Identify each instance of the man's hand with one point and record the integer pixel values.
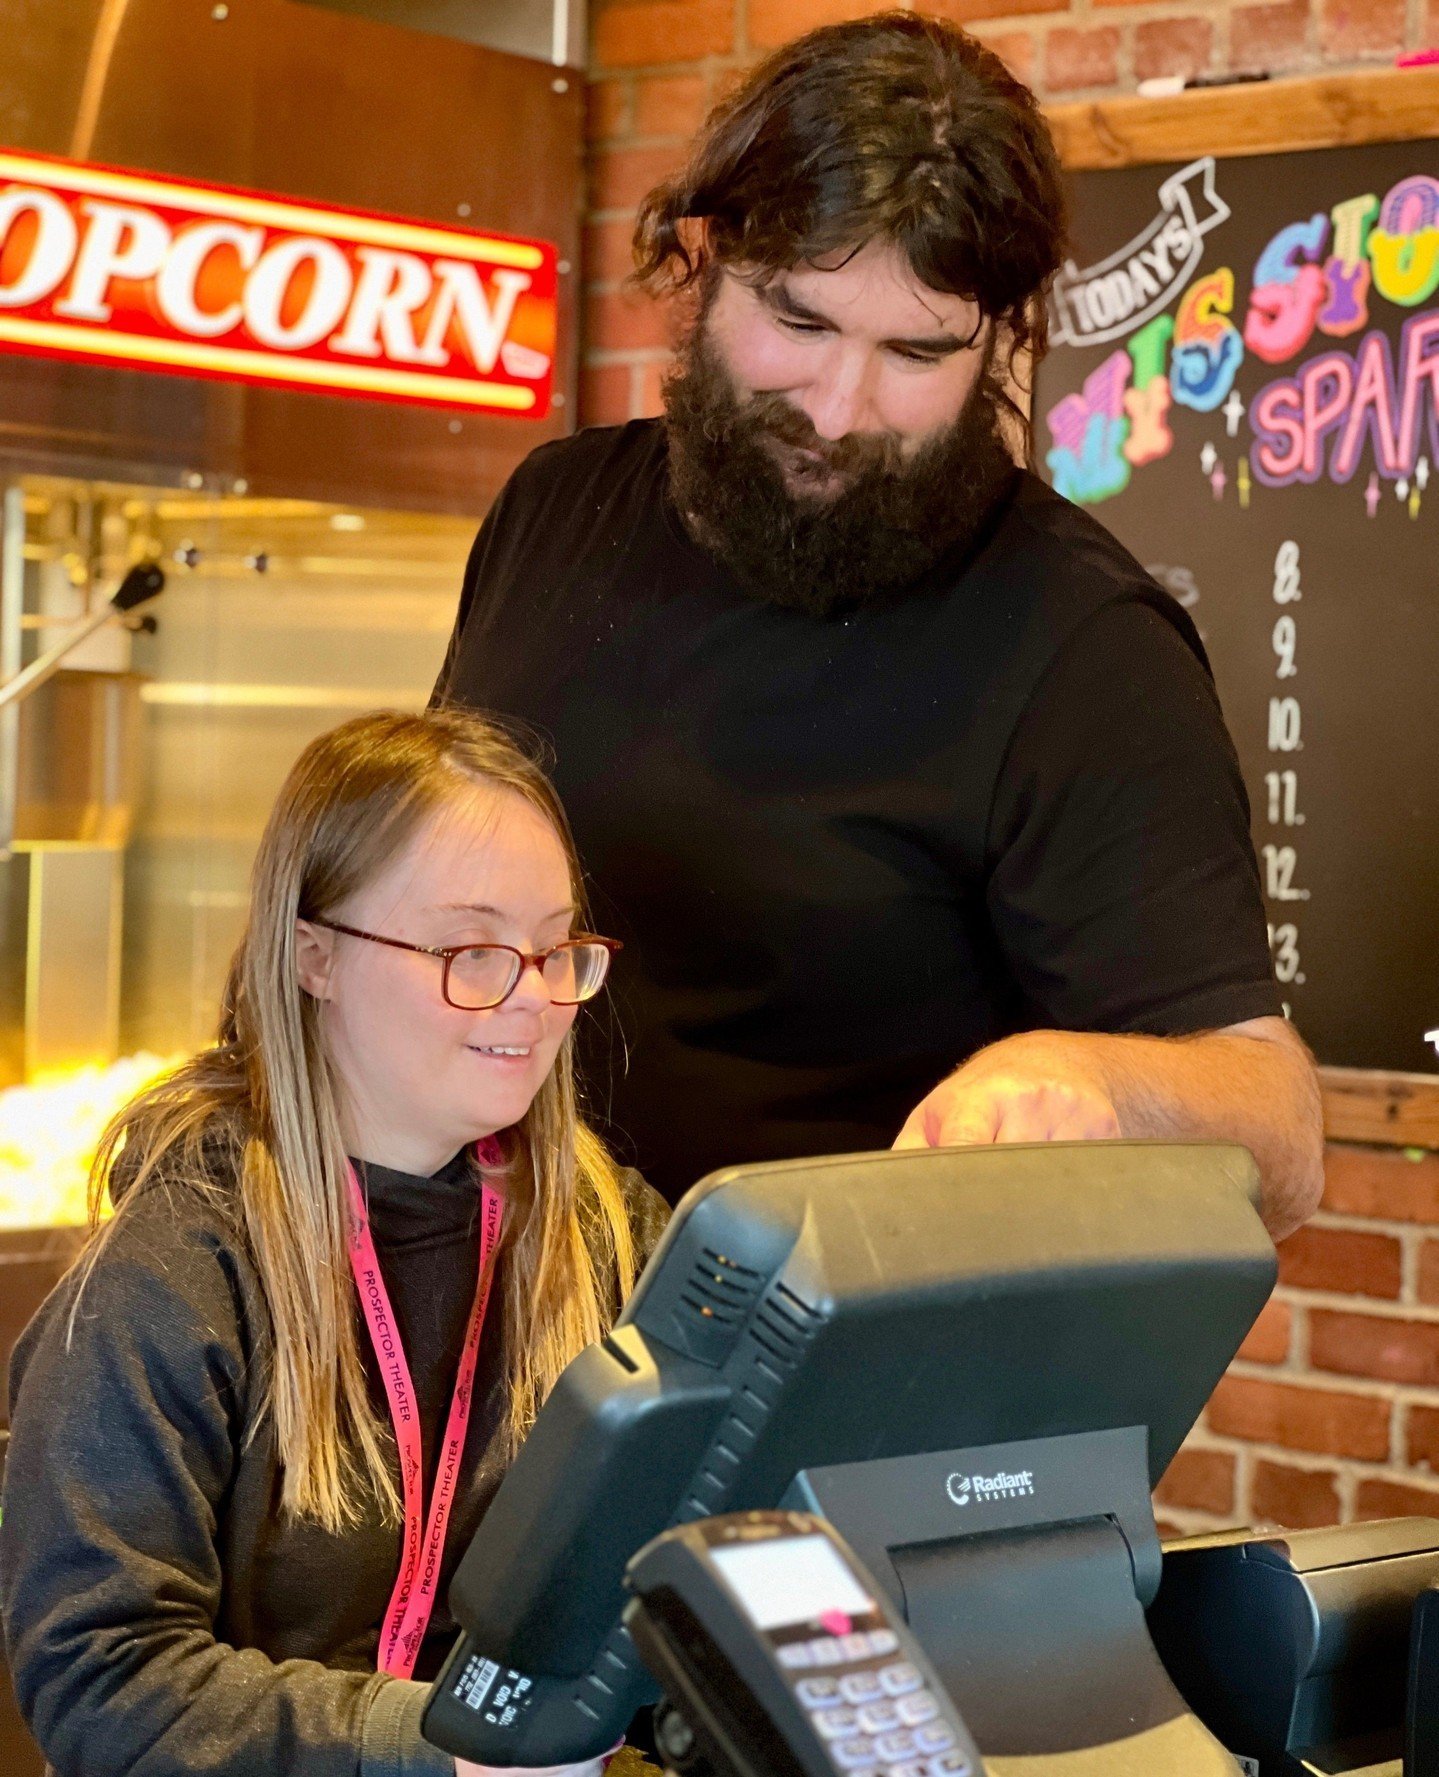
(1252, 1083)
(1023, 1089)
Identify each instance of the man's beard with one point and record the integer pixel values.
(889, 522)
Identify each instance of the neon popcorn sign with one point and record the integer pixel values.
(129, 269)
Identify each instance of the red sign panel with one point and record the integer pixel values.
(169, 274)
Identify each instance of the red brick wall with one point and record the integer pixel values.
(656, 65)
(1332, 1410)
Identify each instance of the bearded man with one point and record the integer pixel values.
(904, 785)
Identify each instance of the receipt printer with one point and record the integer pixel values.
(1293, 1647)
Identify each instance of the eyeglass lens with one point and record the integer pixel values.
(483, 977)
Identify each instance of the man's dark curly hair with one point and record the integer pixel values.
(898, 128)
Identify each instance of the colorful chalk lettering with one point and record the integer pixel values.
(1404, 243)
(1147, 402)
(1351, 398)
(1090, 429)
(1367, 405)
(1208, 347)
(1347, 268)
(1288, 294)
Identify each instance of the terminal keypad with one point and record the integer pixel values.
(871, 1707)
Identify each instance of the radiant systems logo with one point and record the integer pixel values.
(987, 1488)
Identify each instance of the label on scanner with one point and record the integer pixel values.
(499, 1693)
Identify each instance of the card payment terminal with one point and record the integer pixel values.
(779, 1656)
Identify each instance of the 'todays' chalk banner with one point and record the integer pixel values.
(169, 274)
(1108, 300)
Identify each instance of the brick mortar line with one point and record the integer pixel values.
(1288, 1369)
(1367, 1468)
(1348, 1222)
(1202, 1438)
(1342, 1302)
(1411, 1248)
(1331, 1382)
(1298, 1297)
(1312, 1462)
(1244, 1462)
(1023, 21)
(1124, 61)
(1169, 9)
(1222, 56)
(1293, 1368)
(1299, 1337)
(1327, 1216)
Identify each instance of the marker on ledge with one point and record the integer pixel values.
(1165, 86)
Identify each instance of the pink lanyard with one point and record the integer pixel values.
(408, 1614)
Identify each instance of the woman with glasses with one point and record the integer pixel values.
(354, 1244)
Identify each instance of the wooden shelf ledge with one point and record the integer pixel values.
(1397, 1110)
(1253, 117)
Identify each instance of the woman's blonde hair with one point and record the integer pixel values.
(261, 1109)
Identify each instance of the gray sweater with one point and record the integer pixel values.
(161, 1617)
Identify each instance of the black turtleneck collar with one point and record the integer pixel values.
(408, 1211)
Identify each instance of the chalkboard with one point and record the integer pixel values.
(1244, 387)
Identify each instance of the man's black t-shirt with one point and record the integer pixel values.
(844, 853)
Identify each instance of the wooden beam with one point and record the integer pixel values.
(1256, 117)
(1395, 1110)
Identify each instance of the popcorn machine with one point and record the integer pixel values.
(142, 771)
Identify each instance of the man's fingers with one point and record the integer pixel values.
(951, 1117)
(968, 1126)
(912, 1135)
(959, 1114)
(1056, 1114)
(1024, 1120)
(1100, 1124)
(1008, 1108)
